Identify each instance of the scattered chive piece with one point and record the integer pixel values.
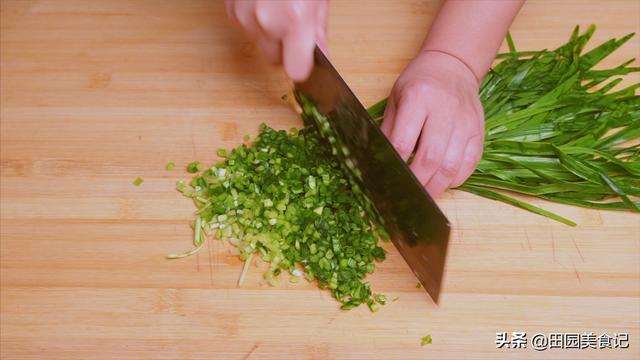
(245, 269)
(380, 299)
(197, 235)
(395, 299)
(373, 306)
(138, 181)
(418, 286)
(186, 254)
(222, 152)
(426, 340)
(246, 138)
(194, 167)
(170, 166)
(198, 241)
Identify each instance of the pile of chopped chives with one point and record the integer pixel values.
(286, 200)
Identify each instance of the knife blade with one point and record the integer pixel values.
(417, 227)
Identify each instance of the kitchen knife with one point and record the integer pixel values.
(414, 222)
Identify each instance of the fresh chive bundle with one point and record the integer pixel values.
(556, 129)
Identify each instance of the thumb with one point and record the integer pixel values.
(297, 53)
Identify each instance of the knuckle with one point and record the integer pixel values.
(459, 181)
(476, 156)
(450, 99)
(448, 169)
(429, 159)
(480, 116)
(403, 147)
(243, 19)
(295, 11)
(262, 13)
(417, 89)
(476, 145)
(424, 91)
(453, 100)
(476, 130)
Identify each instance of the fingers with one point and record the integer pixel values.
(433, 145)
(408, 120)
(285, 36)
(471, 158)
(475, 144)
(446, 155)
(322, 23)
(442, 164)
(299, 41)
(273, 18)
(271, 48)
(297, 53)
(449, 135)
(389, 116)
(435, 103)
(285, 31)
(260, 23)
(449, 165)
(244, 14)
(229, 5)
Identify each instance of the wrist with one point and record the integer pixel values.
(451, 56)
(472, 31)
(450, 64)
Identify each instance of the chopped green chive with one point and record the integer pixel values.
(198, 241)
(138, 181)
(170, 166)
(426, 340)
(245, 269)
(194, 167)
(373, 306)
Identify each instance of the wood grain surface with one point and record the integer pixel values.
(95, 93)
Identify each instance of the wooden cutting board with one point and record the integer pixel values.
(96, 93)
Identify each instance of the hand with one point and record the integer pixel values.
(435, 104)
(286, 30)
